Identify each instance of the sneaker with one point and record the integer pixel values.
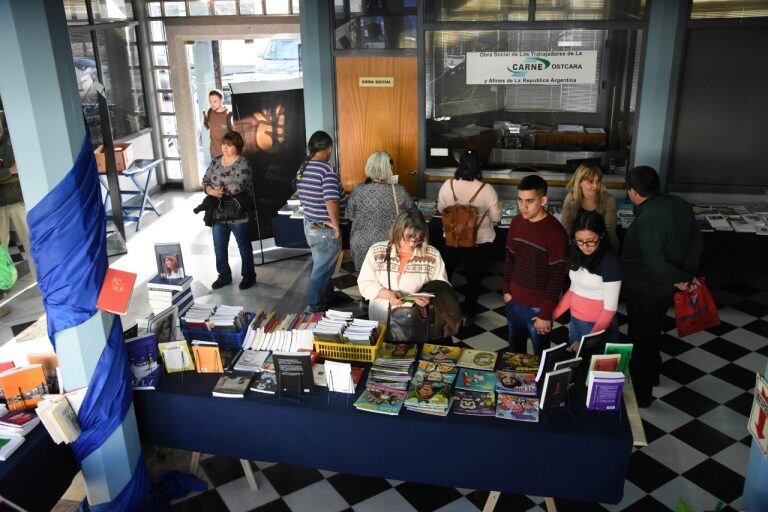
(247, 282)
(219, 283)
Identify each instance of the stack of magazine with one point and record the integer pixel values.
(388, 379)
(431, 386)
(516, 387)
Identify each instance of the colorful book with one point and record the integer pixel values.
(518, 408)
(116, 291)
(381, 400)
(624, 350)
(555, 389)
(476, 380)
(474, 403)
(398, 351)
(176, 356)
(518, 362)
(429, 395)
(604, 390)
(440, 354)
(50, 364)
(518, 383)
(23, 387)
(207, 357)
(477, 359)
(18, 422)
(604, 363)
(435, 372)
(145, 363)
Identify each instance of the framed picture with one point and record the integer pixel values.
(170, 263)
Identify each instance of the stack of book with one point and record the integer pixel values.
(13, 427)
(431, 386)
(58, 414)
(197, 316)
(516, 388)
(388, 379)
(361, 332)
(331, 326)
(291, 333)
(166, 292)
(228, 319)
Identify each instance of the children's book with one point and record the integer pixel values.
(176, 356)
(477, 359)
(624, 350)
(398, 351)
(381, 400)
(518, 383)
(476, 380)
(555, 389)
(23, 387)
(429, 395)
(474, 403)
(518, 408)
(440, 353)
(435, 372)
(145, 363)
(517, 362)
(207, 357)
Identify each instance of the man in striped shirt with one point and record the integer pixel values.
(535, 267)
(321, 196)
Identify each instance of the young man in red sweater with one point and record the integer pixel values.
(535, 267)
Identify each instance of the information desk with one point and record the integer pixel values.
(570, 453)
(38, 473)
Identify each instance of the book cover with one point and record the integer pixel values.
(23, 387)
(555, 389)
(145, 364)
(251, 360)
(571, 364)
(477, 359)
(50, 364)
(624, 350)
(176, 356)
(429, 395)
(294, 372)
(476, 380)
(517, 362)
(518, 383)
(440, 353)
(604, 363)
(116, 291)
(604, 390)
(170, 263)
(518, 408)
(435, 372)
(232, 384)
(207, 358)
(265, 382)
(474, 403)
(18, 419)
(591, 344)
(381, 400)
(550, 357)
(163, 325)
(398, 351)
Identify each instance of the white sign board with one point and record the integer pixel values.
(758, 419)
(532, 68)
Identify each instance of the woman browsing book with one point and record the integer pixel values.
(595, 281)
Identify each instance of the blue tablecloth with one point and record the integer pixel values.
(570, 453)
(38, 473)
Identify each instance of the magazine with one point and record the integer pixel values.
(440, 353)
(517, 362)
(518, 408)
(435, 372)
(518, 383)
(381, 400)
(477, 359)
(474, 403)
(476, 380)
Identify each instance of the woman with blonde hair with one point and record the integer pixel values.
(372, 206)
(586, 192)
(399, 266)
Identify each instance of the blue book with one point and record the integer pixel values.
(161, 283)
(476, 380)
(145, 365)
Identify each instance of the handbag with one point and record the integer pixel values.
(8, 274)
(407, 324)
(695, 311)
(229, 209)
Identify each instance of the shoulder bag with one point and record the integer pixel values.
(407, 324)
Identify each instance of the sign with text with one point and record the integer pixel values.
(532, 68)
(758, 419)
(377, 81)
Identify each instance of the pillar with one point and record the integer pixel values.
(317, 61)
(204, 80)
(45, 119)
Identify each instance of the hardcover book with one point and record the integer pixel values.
(294, 372)
(476, 380)
(518, 408)
(232, 384)
(474, 403)
(161, 283)
(23, 387)
(145, 364)
(555, 393)
(440, 354)
(381, 400)
(518, 383)
(116, 291)
(477, 359)
(517, 362)
(176, 356)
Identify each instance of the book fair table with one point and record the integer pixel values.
(38, 473)
(571, 453)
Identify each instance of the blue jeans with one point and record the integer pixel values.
(579, 328)
(325, 252)
(220, 244)
(520, 325)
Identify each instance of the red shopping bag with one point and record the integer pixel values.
(695, 311)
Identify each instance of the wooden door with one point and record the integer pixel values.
(377, 118)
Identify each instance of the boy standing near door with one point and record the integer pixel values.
(217, 120)
(535, 266)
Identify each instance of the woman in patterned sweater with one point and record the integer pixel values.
(373, 206)
(595, 281)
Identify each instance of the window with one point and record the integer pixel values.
(544, 10)
(708, 9)
(374, 25)
(477, 10)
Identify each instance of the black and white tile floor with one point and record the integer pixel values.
(696, 427)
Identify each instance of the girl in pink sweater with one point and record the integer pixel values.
(595, 281)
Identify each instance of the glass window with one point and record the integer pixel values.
(563, 10)
(86, 74)
(76, 12)
(200, 8)
(477, 10)
(382, 24)
(295, 7)
(157, 28)
(162, 79)
(250, 7)
(174, 8)
(171, 145)
(154, 9)
(165, 101)
(160, 55)
(225, 8)
(173, 169)
(111, 10)
(279, 6)
(168, 125)
(703, 9)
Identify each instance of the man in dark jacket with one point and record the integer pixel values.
(660, 256)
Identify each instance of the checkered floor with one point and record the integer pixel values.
(696, 426)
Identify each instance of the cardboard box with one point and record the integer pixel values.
(123, 157)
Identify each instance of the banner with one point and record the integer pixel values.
(272, 125)
(532, 68)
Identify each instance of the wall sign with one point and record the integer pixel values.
(532, 68)
(377, 81)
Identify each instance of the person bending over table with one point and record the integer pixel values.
(228, 179)
(372, 206)
(595, 281)
(465, 187)
(412, 263)
(586, 192)
(535, 266)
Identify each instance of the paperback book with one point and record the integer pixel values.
(518, 408)
(207, 357)
(19, 423)
(8, 445)
(251, 360)
(604, 390)
(50, 364)
(435, 372)
(265, 382)
(176, 356)
(517, 362)
(555, 389)
(474, 403)
(381, 400)
(476, 380)
(477, 359)
(232, 384)
(294, 372)
(440, 354)
(23, 387)
(163, 325)
(625, 351)
(429, 397)
(145, 364)
(591, 344)
(604, 363)
(570, 364)
(550, 357)
(517, 383)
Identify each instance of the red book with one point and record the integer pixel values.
(6, 365)
(116, 291)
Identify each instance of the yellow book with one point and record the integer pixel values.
(176, 356)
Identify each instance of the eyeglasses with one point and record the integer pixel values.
(413, 239)
(587, 243)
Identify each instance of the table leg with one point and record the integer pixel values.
(490, 503)
(146, 194)
(248, 470)
(550, 503)
(194, 465)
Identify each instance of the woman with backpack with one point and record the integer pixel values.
(469, 208)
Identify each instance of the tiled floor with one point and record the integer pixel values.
(696, 426)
